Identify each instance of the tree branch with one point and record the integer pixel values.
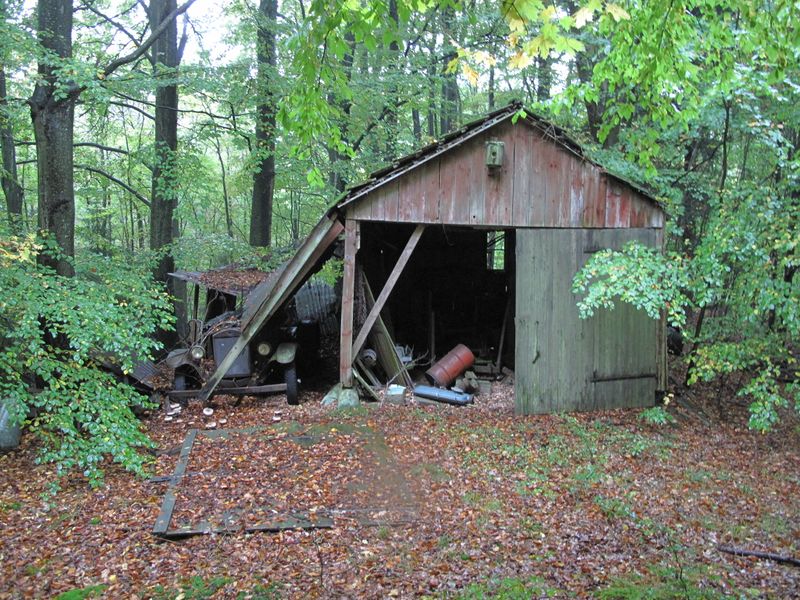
(136, 108)
(101, 147)
(111, 21)
(384, 113)
(119, 182)
(778, 558)
(145, 46)
(77, 144)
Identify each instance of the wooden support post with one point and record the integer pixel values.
(196, 301)
(387, 289)
(348, 288)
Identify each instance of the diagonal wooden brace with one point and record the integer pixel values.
(387, 289)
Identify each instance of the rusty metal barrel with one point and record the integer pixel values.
(450, 366)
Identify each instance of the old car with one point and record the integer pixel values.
(266, 365)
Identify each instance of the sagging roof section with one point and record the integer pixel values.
(232, 279)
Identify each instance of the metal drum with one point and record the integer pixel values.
(451, 365)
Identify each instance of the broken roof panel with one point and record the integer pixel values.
(231, 279)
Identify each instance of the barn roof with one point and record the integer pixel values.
(456, 138)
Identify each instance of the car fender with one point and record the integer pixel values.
(286, 352)
(178, 358)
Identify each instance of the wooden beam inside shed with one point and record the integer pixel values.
(348, 288)
(387, 289)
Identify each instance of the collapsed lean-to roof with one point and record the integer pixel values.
(268, 297)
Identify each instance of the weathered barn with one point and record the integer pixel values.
(475, 239)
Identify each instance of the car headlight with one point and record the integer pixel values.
(197, 352)
(264, 349)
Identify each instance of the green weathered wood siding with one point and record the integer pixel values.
(564, 363)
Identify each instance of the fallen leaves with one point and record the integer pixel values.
(453, 498)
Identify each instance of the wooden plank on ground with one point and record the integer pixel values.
(170, 497)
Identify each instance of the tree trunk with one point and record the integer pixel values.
(338, 159)
(416, 125)
(448, 115)
(491, 89)
(544, 78)
(164, 183)
(391, 93)
(264, 175)
(53, 120)
(11, 186)
(431, 78)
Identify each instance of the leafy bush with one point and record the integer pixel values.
(735, 270)
(56, 332)
(656, 415)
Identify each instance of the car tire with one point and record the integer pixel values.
(290, 376)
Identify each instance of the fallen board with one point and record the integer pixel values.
(244, 481)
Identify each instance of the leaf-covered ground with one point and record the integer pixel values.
(470, 502)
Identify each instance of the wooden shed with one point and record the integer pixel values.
(475, 239)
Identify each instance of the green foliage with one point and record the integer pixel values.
(195, 588)
(613, 508)
(92, 591)
(57, 334)
(657, 415)
(638, 275)
(510, 588)
(666, 583)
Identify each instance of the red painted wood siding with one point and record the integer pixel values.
(541, 184)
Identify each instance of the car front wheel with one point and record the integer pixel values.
(290, 376)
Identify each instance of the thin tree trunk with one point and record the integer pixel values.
(448, 115)
(11, 186)
(225, 197)
(416, 125)
(335, 178)
(264, 175)
(53, 119)
(164, 182)
(431, 116)
(491, 89)
(391, 94)
(544, 78)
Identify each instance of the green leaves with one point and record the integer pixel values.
(59, 333)
(638, 275)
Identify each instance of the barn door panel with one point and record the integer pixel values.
(563, 362)
(625, 339)
(554, 347)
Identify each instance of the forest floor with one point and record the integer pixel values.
(442, 502)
